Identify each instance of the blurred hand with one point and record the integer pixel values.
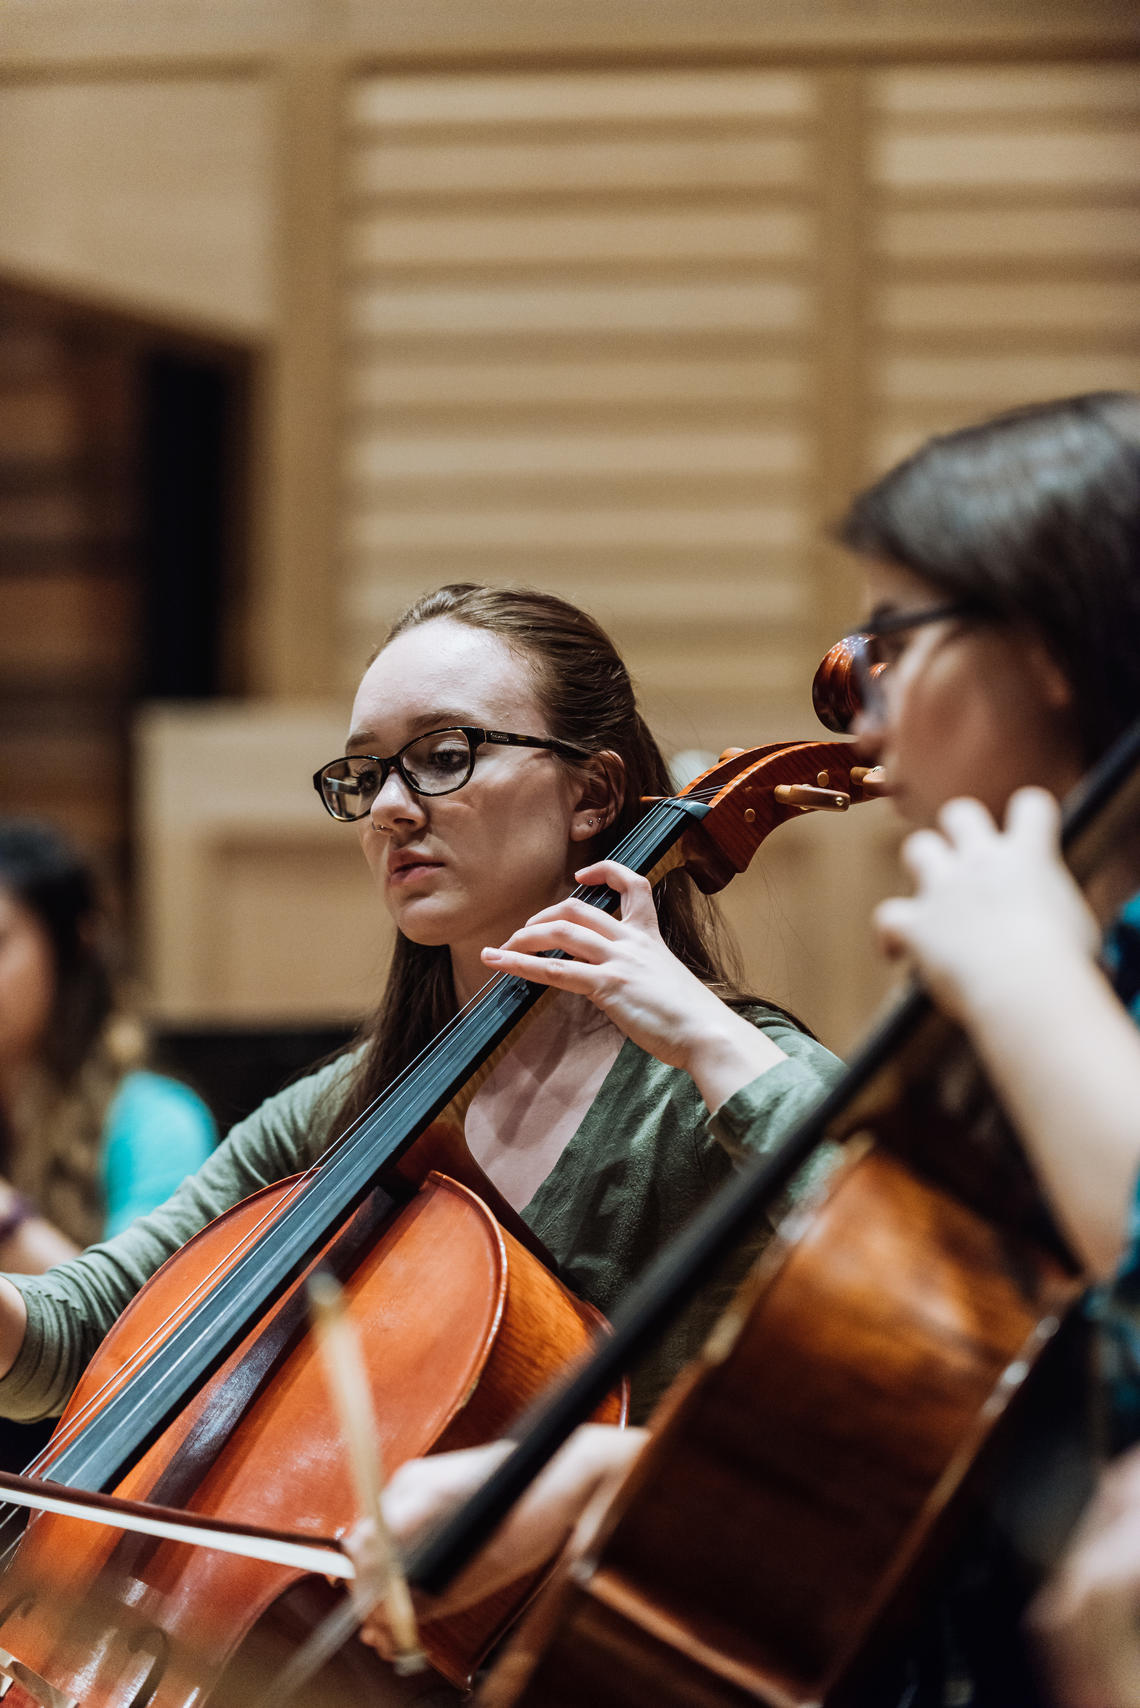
(990, 906)
(424, 1491)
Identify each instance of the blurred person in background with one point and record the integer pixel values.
(89, 1139)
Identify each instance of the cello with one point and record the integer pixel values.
(206, 1395)
(809, 1474)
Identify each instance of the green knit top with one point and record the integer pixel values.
(646, 1154)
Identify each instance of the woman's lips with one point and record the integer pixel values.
(408, 870)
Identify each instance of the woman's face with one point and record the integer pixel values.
(27, 983)
(968, 708)
(465, 869)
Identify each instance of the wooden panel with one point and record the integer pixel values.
(149, 195)
(597, 239)
(718, 96)
(72, 32)
(505, 383)
(581, 309)
(71, 626)
(69, 599)
(976, 93)
(591, 325)
(1006, 230)
(946, 235)
(255, 905)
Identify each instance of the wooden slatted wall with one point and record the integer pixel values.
(580, 319)
(634, 335)
(1004, 221)
(69, 620)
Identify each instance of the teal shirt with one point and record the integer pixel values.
(156, 1132)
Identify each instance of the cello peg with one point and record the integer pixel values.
(872, 779)
(811, 799)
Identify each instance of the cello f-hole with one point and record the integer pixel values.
(15, 1672)
(22, 1603)
(156, 1640)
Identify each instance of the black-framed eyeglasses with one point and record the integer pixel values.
(849, 679)
(884, 639)
(436, 763)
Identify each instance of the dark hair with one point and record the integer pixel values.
(39, 867)
(1032, 519)
(589, 700)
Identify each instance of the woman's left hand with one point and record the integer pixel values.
(625, 968)
(992, 909)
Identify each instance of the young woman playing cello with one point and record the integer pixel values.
(603, 1148)
(1002, 574)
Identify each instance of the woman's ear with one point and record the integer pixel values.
(601, 797)
(1054, 686)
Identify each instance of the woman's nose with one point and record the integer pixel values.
(395, 804)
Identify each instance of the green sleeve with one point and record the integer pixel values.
(72, 1307)
(756, 1119)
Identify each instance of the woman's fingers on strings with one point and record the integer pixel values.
(577, 912)
(636, 892)
(576, 976)
(580, 941)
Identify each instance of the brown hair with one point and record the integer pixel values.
(1032, 518)
(589, 701)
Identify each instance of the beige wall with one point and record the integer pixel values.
(152, 194)
(623, 309)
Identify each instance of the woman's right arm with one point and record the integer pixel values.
(71, 1308)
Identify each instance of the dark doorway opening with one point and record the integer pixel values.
(193, 432)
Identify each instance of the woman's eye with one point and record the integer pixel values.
(367, 781)
(448, 760)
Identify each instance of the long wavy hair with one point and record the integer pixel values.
(50, 1141)
(1031, 519)
(588, 698)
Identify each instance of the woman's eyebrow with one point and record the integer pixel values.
(365, 739)
(880, 612)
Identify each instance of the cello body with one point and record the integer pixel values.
(157, 1623)
(805, 1475)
